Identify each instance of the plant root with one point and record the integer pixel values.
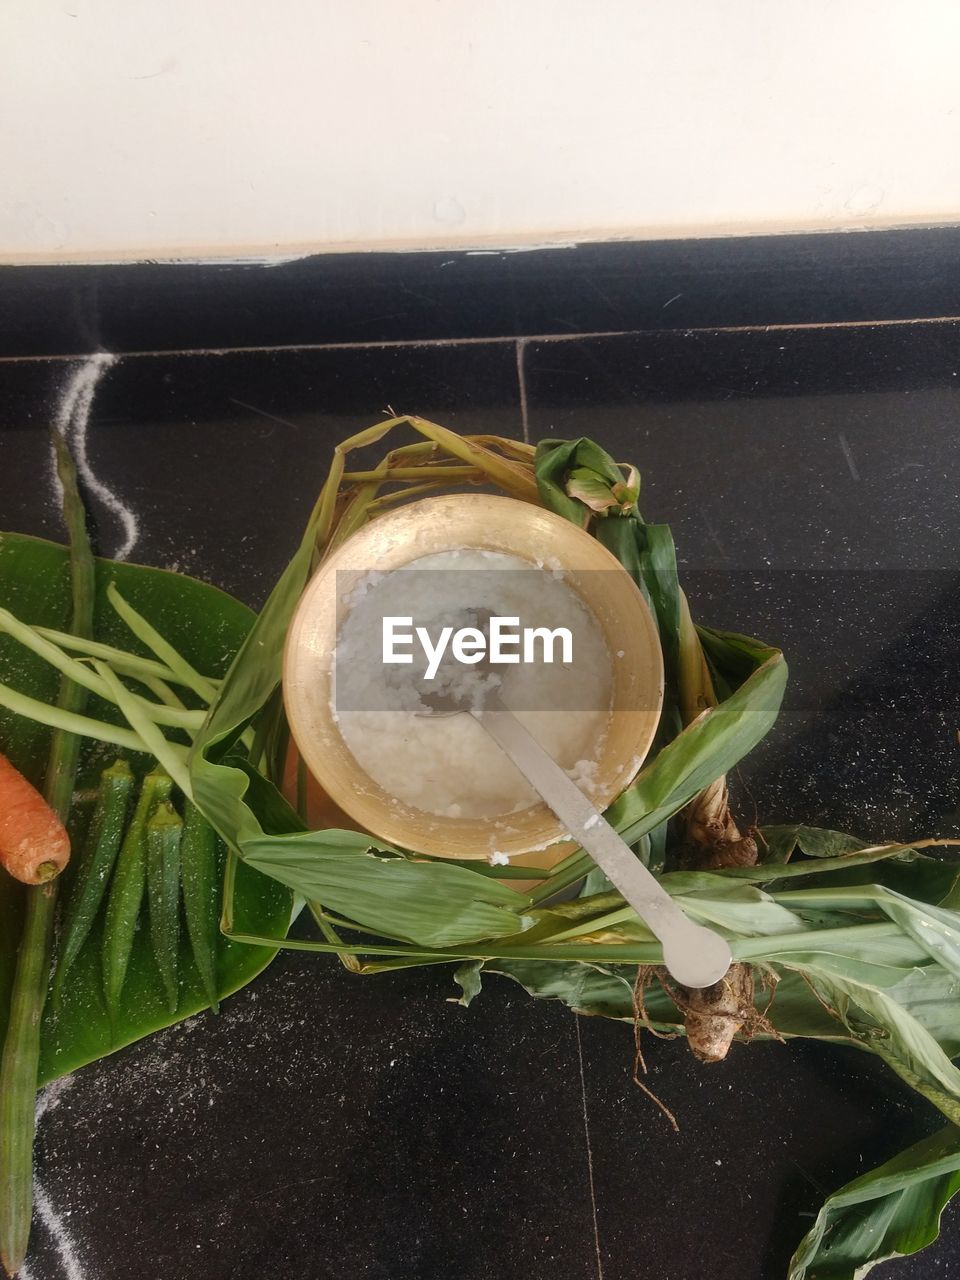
(713, 840)
(644, 974)
(715, 1016)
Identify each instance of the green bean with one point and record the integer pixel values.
(164, 828)
(95, 866)
(126, 892)
(198, 873)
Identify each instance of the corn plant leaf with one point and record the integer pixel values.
(648, 554)
(707, 749)
(875, 1017)
(815, 842)
(434, 904)
(563, 467)
(587, 486)
(468, 979)
(890, 1212)
(937, 931)
(572, 477)
(207, 627)
(599, 990)
(221, 784)
(742, 909)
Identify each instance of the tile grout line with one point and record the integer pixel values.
(521, 345)
(586, 1134)
(503, 340)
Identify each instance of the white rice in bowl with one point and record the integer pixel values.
(448, 765)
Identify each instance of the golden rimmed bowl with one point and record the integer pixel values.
(489, 523)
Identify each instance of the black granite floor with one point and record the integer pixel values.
(367, 1129)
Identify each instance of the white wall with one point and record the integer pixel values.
(163, 128)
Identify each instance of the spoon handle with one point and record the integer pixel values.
(694, 955)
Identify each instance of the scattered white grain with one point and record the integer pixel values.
(48, 1100)
(72, 419)
(66, 1250)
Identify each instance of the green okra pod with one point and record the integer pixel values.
(164, 828)
(126, 892)
(95, 867)
(198, 873)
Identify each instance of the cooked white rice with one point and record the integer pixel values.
(449, 765)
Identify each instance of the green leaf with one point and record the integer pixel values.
(593, 492)
(890, 1030)
(705, 750)
(586, 988)
(890, 1212)
(221, 786)
(207, 627)
(434, 904)
(564, 466)
(743, 909)
(938, 932)
(427, 902)
(815, 842)
(647, 553)
(467, 977)
(777, 844)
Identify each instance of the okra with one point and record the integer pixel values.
(198, 874)
(95, 866)
(164, 829)
(126, 892)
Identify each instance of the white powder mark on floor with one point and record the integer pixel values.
(72, 419)
(61, 1238)
(48, 1100)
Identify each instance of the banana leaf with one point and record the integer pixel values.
(207, 627)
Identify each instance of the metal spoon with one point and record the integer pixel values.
(694, 955)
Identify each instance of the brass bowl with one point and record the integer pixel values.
(491, 523)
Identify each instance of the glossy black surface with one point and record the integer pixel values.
(811, 479)
(380, 297)
(326, 1125)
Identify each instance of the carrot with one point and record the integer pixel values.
(34, 845)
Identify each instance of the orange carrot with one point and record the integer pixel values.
(34, 845)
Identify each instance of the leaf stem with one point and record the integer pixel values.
(18, 1075)
(161, 648)
(21, 1050)
(128, 664)
(67, 721)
